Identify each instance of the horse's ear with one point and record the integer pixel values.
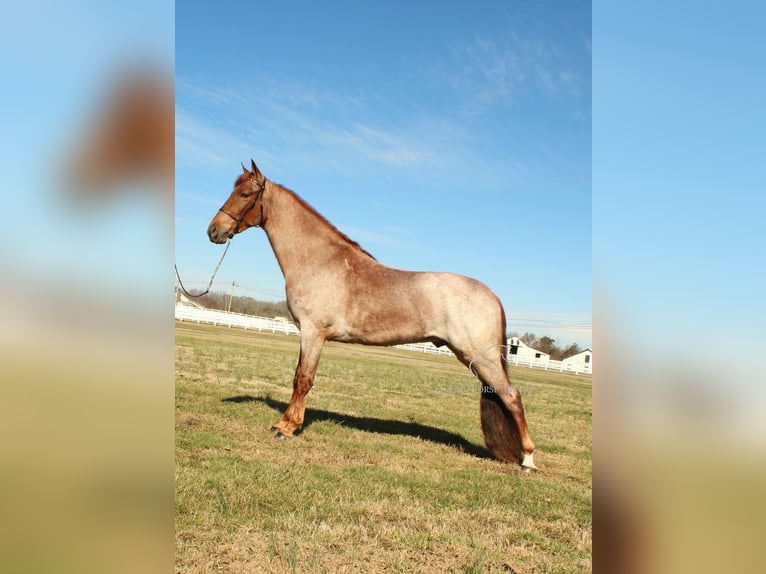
(244, 169)
(254, 168)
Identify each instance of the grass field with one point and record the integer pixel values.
(389, 475)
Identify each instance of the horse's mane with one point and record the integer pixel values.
(322, 219)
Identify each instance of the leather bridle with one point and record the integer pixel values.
(258, 194)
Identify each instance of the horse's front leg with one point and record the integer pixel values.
(311, 348)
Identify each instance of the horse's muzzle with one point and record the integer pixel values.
(218, 235)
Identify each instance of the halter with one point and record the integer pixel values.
(259, 193)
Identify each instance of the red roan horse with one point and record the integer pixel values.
(336, 291)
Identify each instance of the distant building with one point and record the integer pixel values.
(582, 362)
(519, 350)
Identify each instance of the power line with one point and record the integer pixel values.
(537, 323)
(228, 283)
(262, 289)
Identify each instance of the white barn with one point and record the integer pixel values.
(582, 362)
(519, 350)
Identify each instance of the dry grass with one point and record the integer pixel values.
(389, 475)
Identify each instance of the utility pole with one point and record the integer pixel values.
(231, 296)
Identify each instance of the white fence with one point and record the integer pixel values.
(428, 348)
(550, 365)
(215, 317)
(266, 324)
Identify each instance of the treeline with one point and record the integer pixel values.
(244, 305)
(548, 345)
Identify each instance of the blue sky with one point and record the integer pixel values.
(450, 138)
(679, 190)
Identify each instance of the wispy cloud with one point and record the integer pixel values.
(291, 121)
(293, 113)
(386, 238)
(208, 93)
(392, 147)
(387, 146)
(197, 198)
(484, 73)
(201, 142)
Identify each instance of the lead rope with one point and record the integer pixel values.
(217, 267)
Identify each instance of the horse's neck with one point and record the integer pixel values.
(302, 240)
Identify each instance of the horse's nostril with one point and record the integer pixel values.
(211, 231)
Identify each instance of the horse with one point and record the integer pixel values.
(337, 291)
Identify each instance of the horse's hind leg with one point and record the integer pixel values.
(311, 348)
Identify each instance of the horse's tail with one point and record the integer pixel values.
(501, 434)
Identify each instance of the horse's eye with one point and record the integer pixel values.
(244, 194)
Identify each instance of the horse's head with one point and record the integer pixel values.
(243, 209)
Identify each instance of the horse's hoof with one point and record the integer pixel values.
(274, 429)
(280, 436)
(528, 470)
